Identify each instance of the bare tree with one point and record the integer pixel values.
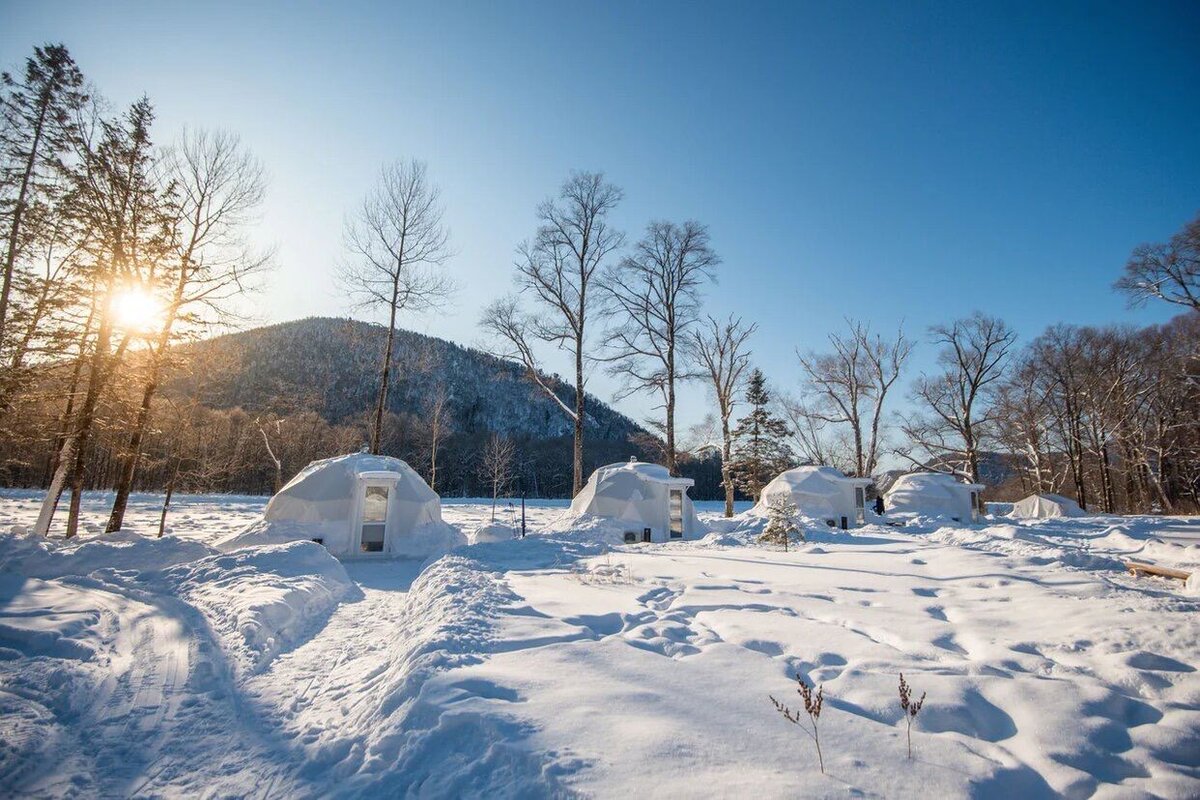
(272, 426)
(812, 438)
(1170, 271)
(218, 187)
(957, 408)
(656, 299)
(497, 466)
(439, 418)
(557, 268)
(1024, 419)
(848, 386)
(398, 246)
(721, 350)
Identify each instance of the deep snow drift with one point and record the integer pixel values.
(556, 665)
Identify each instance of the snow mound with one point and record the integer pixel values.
(492, 532)
(586, 528)
(260, 601)
(52, 558)
(744, 530)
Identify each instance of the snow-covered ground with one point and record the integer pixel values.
(552, 666)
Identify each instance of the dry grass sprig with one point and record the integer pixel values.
(813, 702)
(911, 708)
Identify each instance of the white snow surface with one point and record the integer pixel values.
(562, 664)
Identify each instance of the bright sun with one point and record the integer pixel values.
(136, 310)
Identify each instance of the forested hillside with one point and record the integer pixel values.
(244, 411)
(331, 366)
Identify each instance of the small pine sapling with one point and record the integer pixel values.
(911, 708)
(812, 706)
(781, 521)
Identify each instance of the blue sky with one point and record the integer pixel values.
(888, 161)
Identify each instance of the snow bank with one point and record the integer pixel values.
(85, 554)
(260, 600)
(492, 532)
(586, 528)
(744, 530)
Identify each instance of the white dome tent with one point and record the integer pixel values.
(644, 498)
(1046, 506)
(822, 493)
(934, 494)
(357, 504)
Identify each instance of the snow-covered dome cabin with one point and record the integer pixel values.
(822, 493)
(357, 504)
(934, 494)
(651, 505)
(1046, 506)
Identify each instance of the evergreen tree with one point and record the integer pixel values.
(36, 119)
(782, 525)
(760, 451)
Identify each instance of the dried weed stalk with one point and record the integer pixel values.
(812, 707)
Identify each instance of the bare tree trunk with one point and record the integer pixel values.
(670, 427)
(433, 453)
(577, 458)
(129, 461)
(726, 457)
(162, 518)
(278, 483)
(384, 374)
(58, 482)
(97, 377)
(1106, 483)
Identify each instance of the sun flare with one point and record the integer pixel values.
(136, 310)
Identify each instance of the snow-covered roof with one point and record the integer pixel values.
(644, 470)
(1046, 506)
(817, 491)
(935, 493)
(816, 478)
(932, 482)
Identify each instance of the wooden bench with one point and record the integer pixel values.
(1140, 567)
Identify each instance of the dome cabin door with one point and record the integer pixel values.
(373, 520)
(676, 514)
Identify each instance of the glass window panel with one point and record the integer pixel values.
(372, 537)
(375, 504)
(676, 514)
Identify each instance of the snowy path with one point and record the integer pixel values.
(148, 708)
(330, 677)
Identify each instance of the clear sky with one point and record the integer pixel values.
(889, 161)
